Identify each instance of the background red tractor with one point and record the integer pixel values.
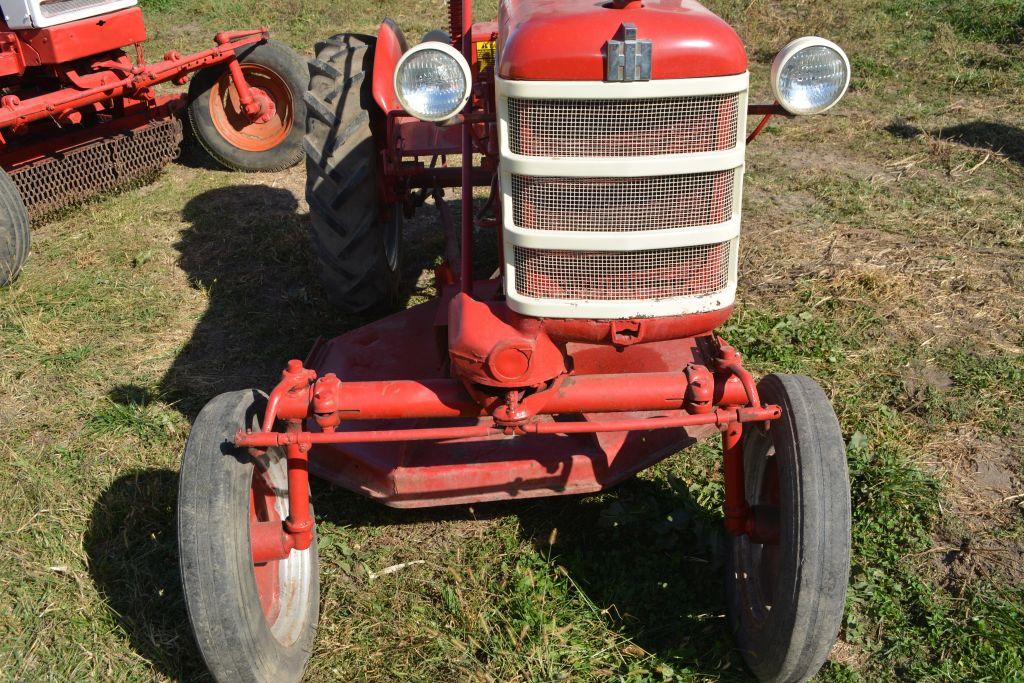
(612, 139)
(78, 116)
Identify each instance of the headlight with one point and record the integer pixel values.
(810, 75)
(432, 81)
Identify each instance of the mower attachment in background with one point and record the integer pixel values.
(61, 179)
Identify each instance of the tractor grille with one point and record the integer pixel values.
(621, 207)
(623, 204)
(54, 8)
(66, 178)
(615, 275)
(614, 128)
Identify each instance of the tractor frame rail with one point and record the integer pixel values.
(121, 78)
(311, 408)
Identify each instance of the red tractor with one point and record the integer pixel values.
(79, 117)
(612, 137)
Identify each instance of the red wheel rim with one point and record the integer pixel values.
(268, 574)
(235, 126)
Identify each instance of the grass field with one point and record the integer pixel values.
(883, 254)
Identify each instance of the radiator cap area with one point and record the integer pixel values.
(565, 40)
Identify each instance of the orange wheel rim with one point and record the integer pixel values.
(231, 121)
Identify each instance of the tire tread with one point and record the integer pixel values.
(15, 230)
(345, 229)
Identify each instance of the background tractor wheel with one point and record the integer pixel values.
(277, 77)
(786, 600)
(252, 622)
(357, 240)
(14, 230)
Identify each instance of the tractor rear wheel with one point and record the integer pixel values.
(277, 77)
(253, 621)
(14, 230)
(357, 239)
(786, 599)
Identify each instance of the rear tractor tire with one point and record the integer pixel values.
(252, 621)
(15, 236)
(786, 599)
(277, 77)
(356, 237)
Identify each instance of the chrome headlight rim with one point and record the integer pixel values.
(788, 53)
(450, 52)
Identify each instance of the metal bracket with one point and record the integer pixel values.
(628, 58)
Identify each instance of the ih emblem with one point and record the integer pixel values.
(626, 57)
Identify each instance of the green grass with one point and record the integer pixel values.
(993, 21)
(881, 255)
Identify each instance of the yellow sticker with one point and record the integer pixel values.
(486, 54)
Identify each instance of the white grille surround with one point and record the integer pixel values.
(645, 225)
(24, 14)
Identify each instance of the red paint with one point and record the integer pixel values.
(468, 401)
(83, 38)
(466, 231)
(563, 39)
(295, 441)
(589, 393)
(735, 507)
(299, 523)
(12, 57)
(268, 544)
(432, 441)
(643, 329)
(390, 47)
(487, 350)
(118, 84)
(49, 139)
(256, 118)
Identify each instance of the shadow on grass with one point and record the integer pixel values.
(131, 544)
(651, 558)
(997, 137)
(247, 247)
(192, 153)
(644, 553)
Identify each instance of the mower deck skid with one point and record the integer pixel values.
(493, 467)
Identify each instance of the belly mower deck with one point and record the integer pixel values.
(494, 467)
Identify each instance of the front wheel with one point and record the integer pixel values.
(277, 78)
(252, 621)
(786, 599)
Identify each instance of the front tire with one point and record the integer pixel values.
(356, 237)
(277, 76)
(786, 600)
(15, 235)
(252, 622)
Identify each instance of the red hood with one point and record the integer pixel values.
(563, 40)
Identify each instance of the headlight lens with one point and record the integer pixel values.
(810, 75)
(432, 81)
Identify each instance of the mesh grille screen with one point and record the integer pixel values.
(53, 8)
(619, 275)
(623, 204)
(613, 128)
(66, 178)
